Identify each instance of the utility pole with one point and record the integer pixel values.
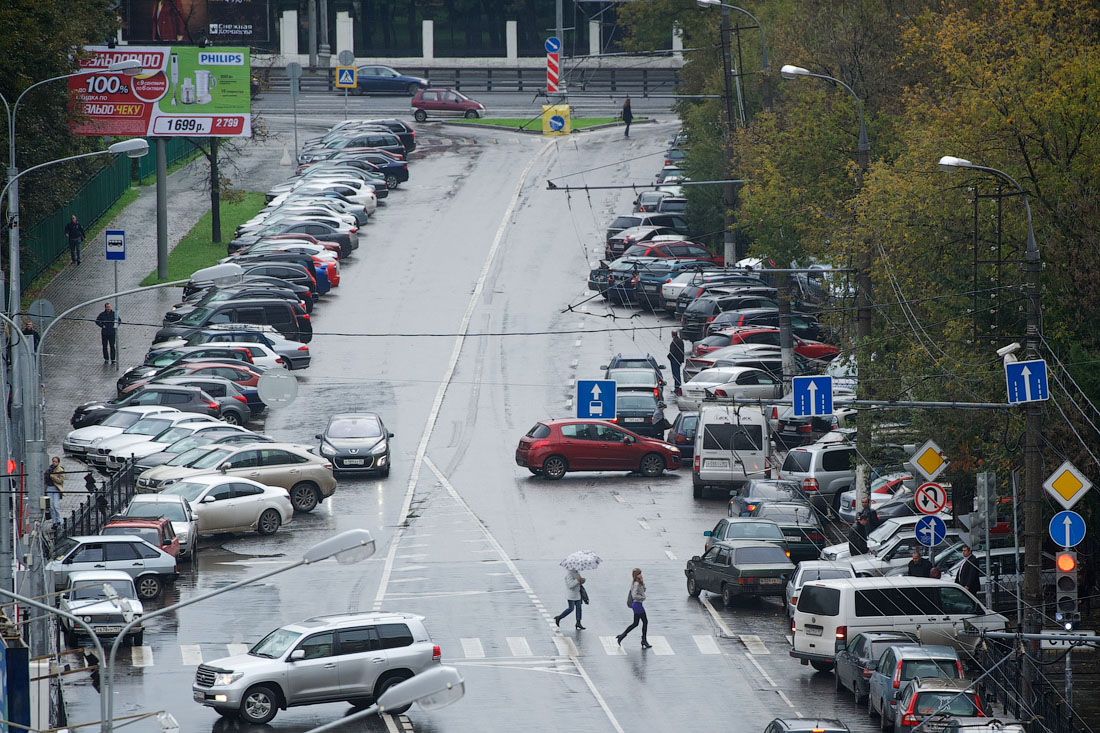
(729, 191)
(324, 52)
(311, 12)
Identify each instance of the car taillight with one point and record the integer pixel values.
(539, 444)
(657, 392)
(303, 347)
(815, 536)
(841, 633)
(959, 667)
(746, 581)
(866, 673)
(792, 620)
(897, 676)
(353, 230)
(809, 484)
(710, 318)
(775, 412)
(807, 428)
(436, 654)
(767, 466)
(978, 705)
(239, 398)
(908, 719)
(614, 419)
(212, 405)
(720, 393)
(306, 316)
(668, 280)
(695, 464)
(751, 507)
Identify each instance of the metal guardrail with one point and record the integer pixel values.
(1043, 712)
(109, 499)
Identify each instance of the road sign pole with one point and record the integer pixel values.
(345, 103)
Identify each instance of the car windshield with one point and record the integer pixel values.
(186, 458)
(166, 358)
(63, 547)
(211, 459)
(189, 490)
(883, 532)
(194, 441)
(170, 510)
(633, 364)
(148, 426)
(632, 377)
(751, 555)
(148, 534)
(929, 668)
(754, 531)
(121, 419)
(196, 316)
(929, 703)
(355, 427)
(171, 435)
(275, 644)
(636, 402)
(93, 590)
(788, 514)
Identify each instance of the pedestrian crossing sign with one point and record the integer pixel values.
(347, 77)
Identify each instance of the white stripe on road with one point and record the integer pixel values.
(141, 656)
(671, 555)
(709, 605)
(472, 649)
(643, 524)
(618, 498)
(519, 646)
(191, 654)
(660, 646)
(391, 726)
(237, 650)
(753, 644)
(408, 568)
(706, 644)
(406, 580)
(790, 640)
(566, 647)
(788, 701)
(763, 672)
(611, 647)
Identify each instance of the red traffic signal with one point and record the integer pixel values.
(12, 465)
(1066, 561)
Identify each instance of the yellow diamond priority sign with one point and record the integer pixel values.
(1067, 485)
(929, 460)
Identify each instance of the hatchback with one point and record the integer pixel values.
(445, 103)
(679, 250)
(149, 566)
(853, 662)
(79, 441)
(553, 447)
(173, 508)
(759, 491)
(628, 380)
(682, 433)
(157, 531)
(923, 698)
(800, 525)
(899, 664)
(356, 441)
(190, 399)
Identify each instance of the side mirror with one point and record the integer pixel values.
(225, 467)
(389, 435)
(208, 499)
(317, 436)
(661, 367)
(695, 558)
(707, 533)
(604, 366)
(872, 664)
(296, 655)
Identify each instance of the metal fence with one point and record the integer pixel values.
(1043, 710)
(107, 500)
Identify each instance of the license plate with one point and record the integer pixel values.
(769, 581)
(107, 629)
(717, 463)
(792, 538)
(198, 696)
(353, 461)
(814, 630)
(634, 419)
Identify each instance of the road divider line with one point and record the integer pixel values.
(753, 644)
(238, 650)
(191, 655)
(471, 648)
(519, 646)
(670, 554)
(763, 672)
(407, 580)
(448, 375)
(611, 647)
(706, 644)
(391, 726)
(643, 524)
(707, 604)
(408, 568)
(786, 699)
(618, 497)
(790, 639)
(141, 656)
(661, 646)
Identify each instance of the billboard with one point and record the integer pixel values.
(192, 21)
(183, 91)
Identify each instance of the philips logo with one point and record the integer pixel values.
(221, 59)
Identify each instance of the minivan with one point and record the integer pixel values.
(290, 319)
(731, 447)
(829, 612)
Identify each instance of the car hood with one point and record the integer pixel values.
(94, 433)
(89, 406)
(122, 440)
(102, 606)
(240, 663)
(364, 445)
(163, 472)
(140, 450)
(868, 563)
(837, 552)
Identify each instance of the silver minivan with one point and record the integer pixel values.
(731, 447)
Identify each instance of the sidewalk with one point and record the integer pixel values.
(72, 359)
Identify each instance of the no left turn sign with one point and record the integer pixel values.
(931, 498)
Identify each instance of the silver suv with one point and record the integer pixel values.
(351, 657)
(823, 470)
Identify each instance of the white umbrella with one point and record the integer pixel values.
(581, 560)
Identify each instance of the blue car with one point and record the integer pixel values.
(653, 276)
(384, 80)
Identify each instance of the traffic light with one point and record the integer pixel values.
(1065, 588)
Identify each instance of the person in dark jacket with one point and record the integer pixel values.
(919, 567)
(872, 515)
(676, 358)
(74, 232)
(108, 322)
(969, 575)
(628, 116)
(857, 537)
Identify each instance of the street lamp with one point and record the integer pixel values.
(351, 546)
(431, 690)
(863, 147)
(763, 41)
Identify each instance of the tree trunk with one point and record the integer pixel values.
(215, 194)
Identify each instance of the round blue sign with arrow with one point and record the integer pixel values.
(553, 44)
(930, 530)
(1067, 529)
(557, 122)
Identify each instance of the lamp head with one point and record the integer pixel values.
(790, 72)
(130, 67)
(135, 147)
(351, 546)
(705, 3)
(950, 163)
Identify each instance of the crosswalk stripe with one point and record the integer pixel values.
(566, 647)
(406, 580)
(519, 646)
(472, 649)
(660, 646)
(611, 646)
(236, 650)
(753, 644)
(706, 644)
(191, 654)
(141, 656)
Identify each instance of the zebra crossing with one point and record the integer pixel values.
(475, 648)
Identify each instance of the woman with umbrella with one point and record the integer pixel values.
(575, 593)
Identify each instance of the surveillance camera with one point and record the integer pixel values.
(1010, 349)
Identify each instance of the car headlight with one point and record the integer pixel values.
(379, 449)
(166, 481)
(675, 450)
(182, 537)
(227, 678)
(87, 619)
(327, 450)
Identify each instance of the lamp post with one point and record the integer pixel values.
(863, 147)
(763, 44)
(431, 690)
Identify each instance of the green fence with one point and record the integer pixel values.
(177, 149)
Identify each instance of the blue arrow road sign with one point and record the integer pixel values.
(596, 399)
(553, 44)
(557, 122)
(1027, 381)
(930, 531)
(812, 396)
(1067, 529)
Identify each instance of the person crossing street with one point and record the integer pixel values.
(108, 322)
(574, 583)
(634, 598)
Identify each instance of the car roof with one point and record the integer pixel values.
(351, 619)
(354, 415)
(924, 684)
(924, 651)
(142, 409)
(87, 575)
(119, 521)
(737, 544)
(85, 538)
(157, 498)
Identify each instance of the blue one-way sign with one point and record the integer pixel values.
(553, 44)
(930, 530)
(1027, 381)
(1067, 529)
(812, 396)
(596, 399)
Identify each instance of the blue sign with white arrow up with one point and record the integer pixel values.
(1067, 529)
(1027, 381)
(812, 396)
(930, 531)
(596, 399)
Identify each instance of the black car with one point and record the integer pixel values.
(739, 568)
(237, 292)
(172, 357)
(712, 284)
(803, 325)
(186, 399)
(289, 272)
(287, 318)
(853, 662)
(635, 412)
(246, 260)
(196, 289)
(800, 525)
(761, 490)
(682, 433)
(704, 311)
(619, 242)
(319, 230)
(356, 441)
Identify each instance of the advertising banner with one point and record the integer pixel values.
(184, 91)
(192, 21)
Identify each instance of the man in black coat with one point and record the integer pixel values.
(872, 515)
(108, 321)
(919, 567)
(676, 358)
(857, 537)
(970, 575)
(74, 232)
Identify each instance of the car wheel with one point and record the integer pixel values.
(696, 487)
(821, 666)
(268, 522)
(259, 705)
(884, 722)
(836, 679)
(420, 115)
(652, 465)
(727, 595)
(391, 181)
(693, 589)
(870, 707)
(554, 467)
(304, 497)
(232, 418)
(412, 89)
(386, 684)
(148, 587)
(471, 114)
(385, 471)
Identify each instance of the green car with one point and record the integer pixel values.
(739, 568)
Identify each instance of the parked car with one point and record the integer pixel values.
(649, 200)
(879, 536)
(289, 319)
(140, 432)
(246, 375)
(173, 508)
(374, 651)
(746, 528)
(222, 504)
(158, 532)
(553, 447)
(295, 354)
(190, 399)
(800, 525)
(923, 698)
(149, 566)
(739, 568)
(356, 441)
(445, 103)
(223, 435)
(807, 725)
(759, 491)
(794, 430)
(811, 570)
(898, 665)
(732, 383)
(619, 241)
(79, 441)
(854, 663)
(679, 250)
(119, 456)
(86, 595)
(386, 80)
(824, 471)
(636, 380)
(882, 490)
(634, 361)
(682, 433)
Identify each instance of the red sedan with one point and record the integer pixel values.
(239, 373)
(762, 335)
(553, 447)
(679, 250)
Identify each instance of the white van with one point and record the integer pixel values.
(732, 445)
(831, 612)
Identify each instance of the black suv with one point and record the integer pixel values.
(289, 319)
(187, 399)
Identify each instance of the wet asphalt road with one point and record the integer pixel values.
(472, 248)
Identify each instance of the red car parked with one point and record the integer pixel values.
(761, 335)
(239, 373)
(680, 250)
(446, 103)
(553, 447)
(157, 532)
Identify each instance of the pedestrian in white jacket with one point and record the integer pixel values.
(573, 583)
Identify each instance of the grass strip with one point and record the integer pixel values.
(196, 251)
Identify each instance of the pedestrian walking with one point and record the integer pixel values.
(628, 116)
(857, 537)
(969, 575)
(919, 566)
(660, 423)
(108, 322)
(634, 599)
(55, 481)
(31, 333)
(872, 515)
(676, 358)
(74, 232)
(574, 594)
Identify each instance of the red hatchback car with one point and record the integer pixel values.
(763, 335)
(445, 103)
(553, 447)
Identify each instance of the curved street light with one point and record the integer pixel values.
(431, 690)
(863, 147)
(763, 40)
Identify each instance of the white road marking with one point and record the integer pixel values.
(497, 574)
(573, 363)
(786, 700)
(419, 544)
(643, 524)
(391, 726)
(519, 646)
(611, 647)
(407, 568)
(141, 656)
(569, 402)
(445, 382)
(237, 650)
(671, 555)
(406, 580)
(763, 672)
(566, 647)
(577, 342)
(412, 557)
(661, 646)
(472, 649)
(618, 498)
(790, 640)
(191, 655)
(753, 644)
(709, 605)
(706, 644)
